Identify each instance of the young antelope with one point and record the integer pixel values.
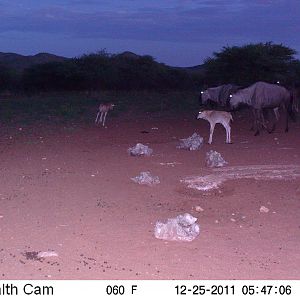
(102, 112)
(214, 117)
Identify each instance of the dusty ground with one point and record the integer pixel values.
(67, 188)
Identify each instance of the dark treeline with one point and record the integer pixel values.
(103, 71)
(99, 71)
(9, 79)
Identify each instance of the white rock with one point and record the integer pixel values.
(199, 208)
(264, 209)
(47, 254)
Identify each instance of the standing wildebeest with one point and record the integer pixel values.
(214, 117)
(262, 95)
(102, 112)
(218, 95)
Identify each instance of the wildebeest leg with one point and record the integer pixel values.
(104, 118)
(257, 122)
(212, 128)
(101, 117)
(275, 121)
(253, 124)
(277, 117)
(273, 128)
(253, 127)
(97, 117)
(276, 112)
(263, 120)
(295, 100)
(287, 120)
(264, 123)
(228, 131)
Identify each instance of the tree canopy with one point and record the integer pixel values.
(251, 63)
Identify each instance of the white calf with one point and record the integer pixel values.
(214, 117)
(103, 110)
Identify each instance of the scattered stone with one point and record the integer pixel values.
(146, 178)
(199, 208)
(182, 228)
(264, 209)
(214, 159)
(140, 150)
(43, 254)
(38, 255)
(191, 143)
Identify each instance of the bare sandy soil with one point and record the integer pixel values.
(67, 188)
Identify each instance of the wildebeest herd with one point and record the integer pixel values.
(260, 97)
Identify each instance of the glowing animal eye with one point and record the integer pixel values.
(230, 96)
(202, 92)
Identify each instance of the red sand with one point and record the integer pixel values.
(68, 189)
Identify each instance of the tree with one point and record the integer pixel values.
(250, 63)
(103, 71)
(8, 78)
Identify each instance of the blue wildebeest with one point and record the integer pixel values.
(263, 95)
(102, 112)
(218, 95)
(214, 117)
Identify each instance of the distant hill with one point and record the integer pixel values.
(20, 62)
(197, 70)
(128, 54)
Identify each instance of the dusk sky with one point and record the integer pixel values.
(175, 32)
